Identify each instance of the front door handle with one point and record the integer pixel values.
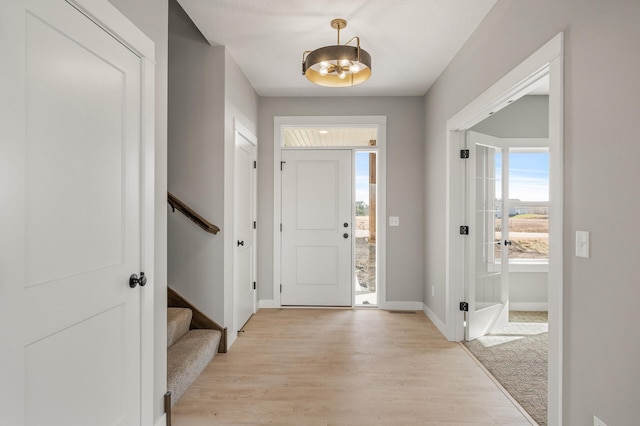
(240, 243)
(345, 235)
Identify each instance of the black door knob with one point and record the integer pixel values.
(240, 243)
(345, 235)
(134, 280)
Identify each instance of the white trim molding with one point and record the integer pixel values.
(268, 304)
(107, 16)
(162, 420)
(535, 307)
(392, 305)
(434, 319)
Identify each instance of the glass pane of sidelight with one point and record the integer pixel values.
(365, 228)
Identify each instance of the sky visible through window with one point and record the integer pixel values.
(362, 176)
(528, 176)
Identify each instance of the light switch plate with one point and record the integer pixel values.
(394, 221)
(582, 244)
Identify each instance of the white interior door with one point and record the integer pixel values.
(316, 228)
(487, 258)
(244, 241)
(77, 355)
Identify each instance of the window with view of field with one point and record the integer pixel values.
(365, 227)
(528, 202)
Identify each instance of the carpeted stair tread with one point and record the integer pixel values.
(178, 322)
(187, 357)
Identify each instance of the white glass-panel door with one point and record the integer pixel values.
(487, 263)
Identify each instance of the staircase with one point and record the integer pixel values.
(189, 351)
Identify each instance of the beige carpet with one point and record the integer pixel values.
(517, 357)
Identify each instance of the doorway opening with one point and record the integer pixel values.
(244, 229)
(510, 198)
(365, 228)
(304, 143)
(546, 64)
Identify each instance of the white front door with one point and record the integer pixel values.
(316, 228)
(487, 218)
(244, 241)
(76, 358)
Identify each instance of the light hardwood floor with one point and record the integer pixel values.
(344, 367)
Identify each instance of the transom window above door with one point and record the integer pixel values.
(302, 137)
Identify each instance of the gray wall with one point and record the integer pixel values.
(602, 106)
(528, 117)
(151, 17)
(196, 163)
(528, 288)
(405, 177)
(207, 90)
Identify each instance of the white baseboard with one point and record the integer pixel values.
(390, 305)
(162, 421)
(232, 336)
(403, 306)
(268, 304)
(434, 319)
(529, 307)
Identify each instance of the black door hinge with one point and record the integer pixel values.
(254, 285)
(282, 163)
(464, 154)
(280, 227)
(464, 230)
(280, 288)
(464, 306)
(255, 164)
(254, 224)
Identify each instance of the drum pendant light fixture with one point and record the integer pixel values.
(340, 65)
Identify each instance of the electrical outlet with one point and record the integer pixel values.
(598, 422)
(394, 221)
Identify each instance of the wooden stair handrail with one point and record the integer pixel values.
(203, 223)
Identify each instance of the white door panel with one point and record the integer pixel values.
(244, 215)
(64, 361)
(80, 320)
(317, 232)
(487, 261)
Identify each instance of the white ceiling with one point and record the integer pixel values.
(410, 41)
